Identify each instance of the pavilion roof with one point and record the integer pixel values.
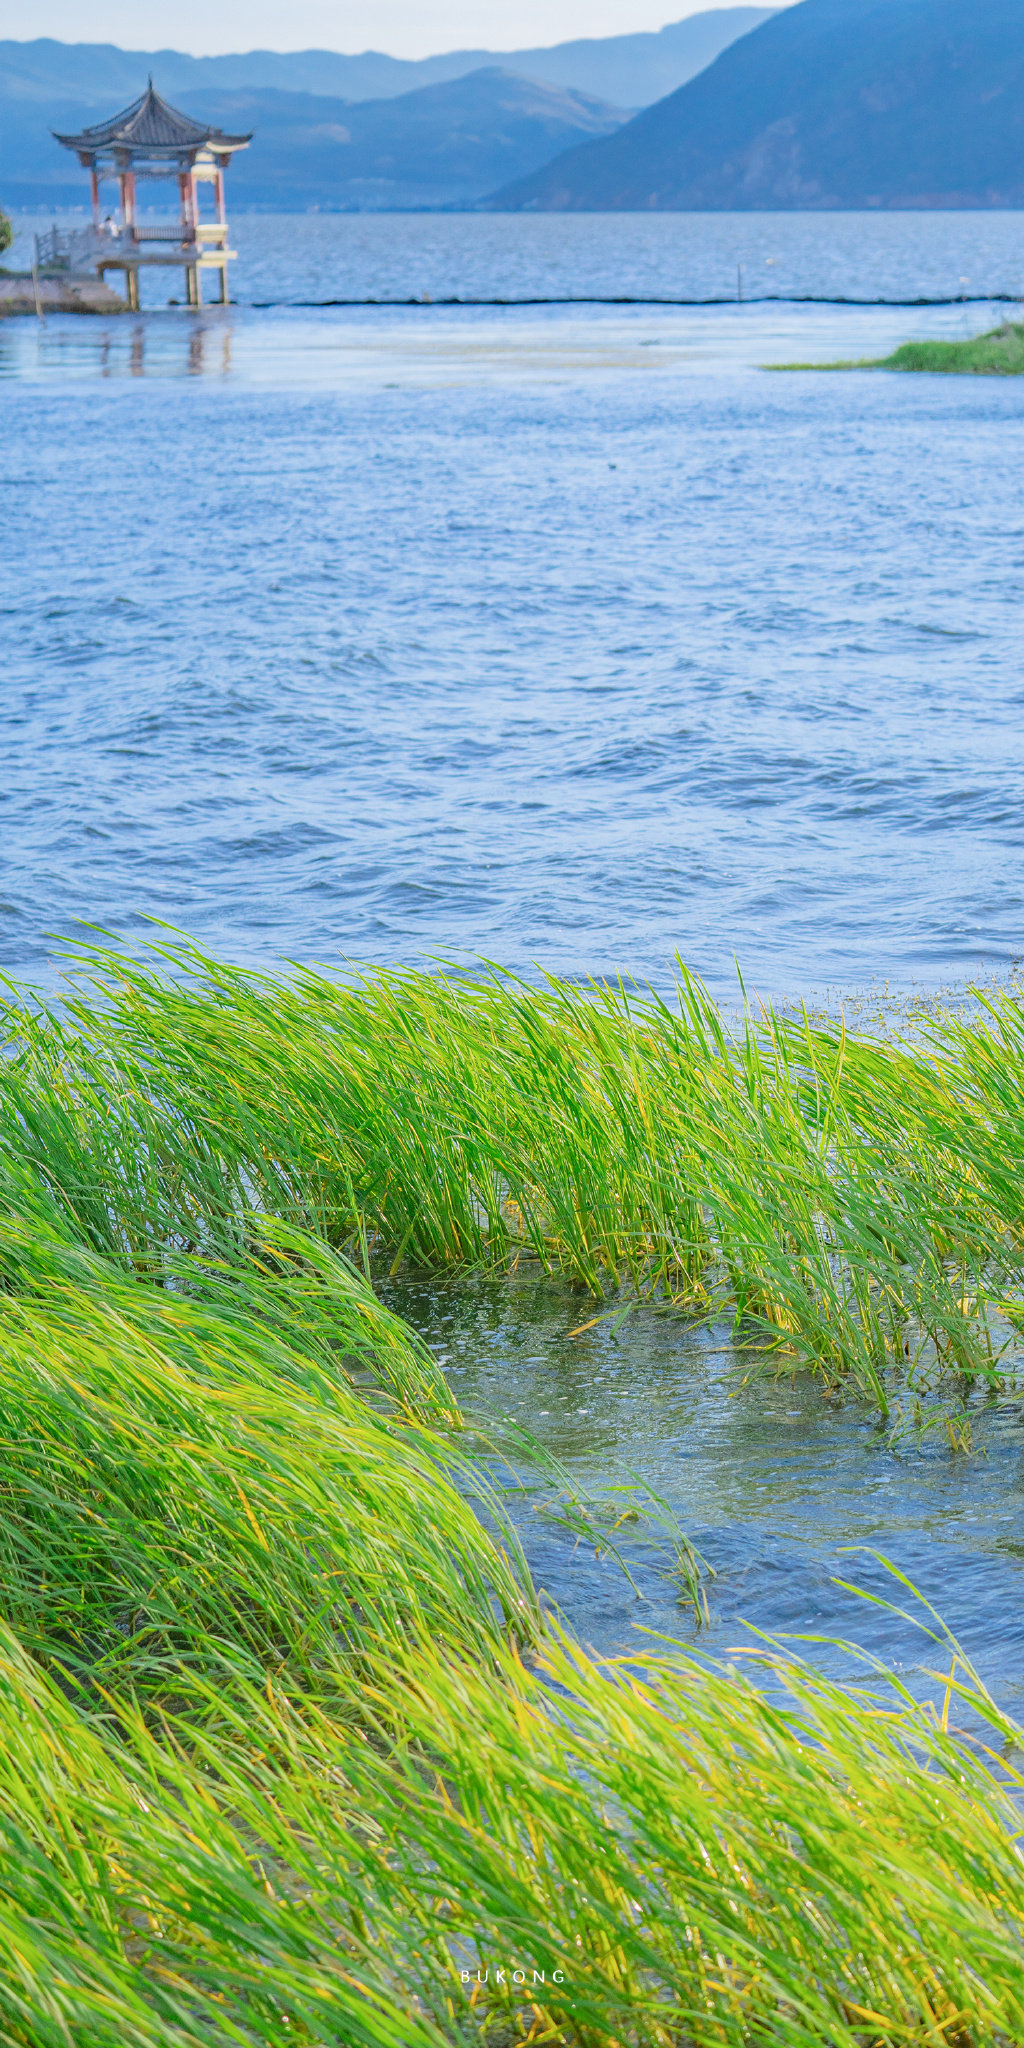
(151, 127)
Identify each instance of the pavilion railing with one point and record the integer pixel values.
(70, 248)
(77, 249)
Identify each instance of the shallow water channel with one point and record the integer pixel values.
(777, 1486)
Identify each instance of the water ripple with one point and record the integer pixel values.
(584, 668)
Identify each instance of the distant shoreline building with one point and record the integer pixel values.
(151, 139)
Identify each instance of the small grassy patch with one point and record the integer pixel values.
(997, 354)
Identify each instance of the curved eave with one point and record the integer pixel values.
(88, 149)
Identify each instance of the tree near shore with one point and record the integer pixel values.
(6, 232)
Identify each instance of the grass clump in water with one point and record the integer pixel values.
(287, 1748)
(848, 1204)
(999, 353)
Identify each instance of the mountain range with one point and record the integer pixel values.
(824, 104)
(828, 104)
(445, 130)
(444, 145)
(629, 70)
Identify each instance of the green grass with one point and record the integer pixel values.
(287, 1749)
(852, 1205)
(999, 353)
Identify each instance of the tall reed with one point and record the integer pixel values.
(288, 1750)
(853, 1205)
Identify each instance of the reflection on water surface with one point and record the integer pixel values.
(420, 346)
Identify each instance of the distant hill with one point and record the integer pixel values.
(633, 71)
(628, 71)
(443, 145)
(829, 104)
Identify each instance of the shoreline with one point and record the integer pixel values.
(21, 293)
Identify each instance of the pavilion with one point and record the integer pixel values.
(151, 139)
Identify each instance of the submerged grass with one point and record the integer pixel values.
(999, 353)
(287, 1748)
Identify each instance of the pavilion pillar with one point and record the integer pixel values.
(190, 188)
(187, 231)
(126, 183)
(222, 221)
(94, 188)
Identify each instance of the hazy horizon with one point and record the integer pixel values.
(397, 28)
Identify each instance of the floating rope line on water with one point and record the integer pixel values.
(769, 299)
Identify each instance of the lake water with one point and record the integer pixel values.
(284, 259)
(567, 635)
(562, 634)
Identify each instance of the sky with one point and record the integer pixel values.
(404, 28)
